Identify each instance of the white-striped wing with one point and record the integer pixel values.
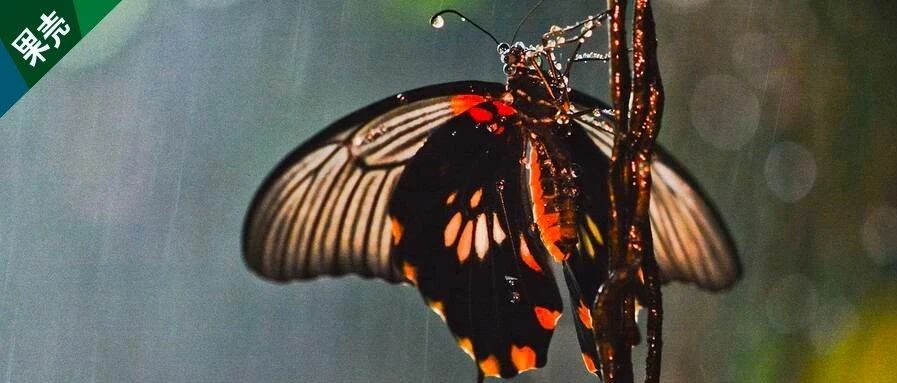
(691, 243)
(323, 211)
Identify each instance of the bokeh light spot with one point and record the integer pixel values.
(880, 234)
(725, 111)
(790, 171)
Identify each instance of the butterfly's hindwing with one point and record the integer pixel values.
(691, 242)
(586, 269)
(463, 237)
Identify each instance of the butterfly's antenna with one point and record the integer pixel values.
(437, 22)
(531, 10)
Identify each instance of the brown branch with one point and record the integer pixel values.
(633, 271)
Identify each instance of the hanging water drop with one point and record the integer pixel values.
(437, 22)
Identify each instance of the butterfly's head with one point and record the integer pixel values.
(513, 57)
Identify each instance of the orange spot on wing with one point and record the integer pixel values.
(475, 198)
(462, 103)
(585, 315)
(451, 198)
(504, 109)
(464, 244)
(439, 308)
(527, 256)
(590, 364)
(490, 366)
(397, 230)
(467, 346)
(410, 273)
(547, 318)
(480, 115)
(451, 229)
(524, 358)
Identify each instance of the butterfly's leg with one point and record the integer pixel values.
(586, 24)
(597, 112)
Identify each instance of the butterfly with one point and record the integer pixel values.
(473, 192)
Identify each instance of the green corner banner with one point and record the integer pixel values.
(36, 34)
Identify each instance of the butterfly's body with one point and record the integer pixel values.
(472, 192)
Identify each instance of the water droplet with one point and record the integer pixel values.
(503, 48)
(437, 22)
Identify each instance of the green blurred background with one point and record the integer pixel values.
(125, 174)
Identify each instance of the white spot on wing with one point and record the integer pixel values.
(481, 242)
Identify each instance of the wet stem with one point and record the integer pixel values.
(632, 273)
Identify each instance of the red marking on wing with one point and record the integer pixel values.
(548, 319)
(490, 366)
(585, 316)
(590, 364)
(548, 223)
(504, 109)
(527, 256)
(480, 115)
(523, 357)
(462, 103)
(410, 272)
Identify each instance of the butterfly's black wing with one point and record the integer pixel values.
(463, 236)
(323, 210)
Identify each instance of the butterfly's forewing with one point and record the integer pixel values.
(463, 237)
(323, 210)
